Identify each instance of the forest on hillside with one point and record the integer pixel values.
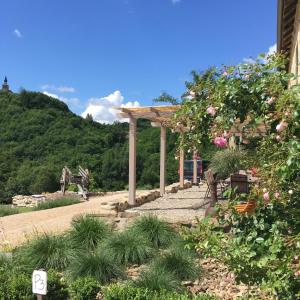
(39, 135)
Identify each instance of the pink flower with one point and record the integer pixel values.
(270, 100)
(192, 94)
(220, 142)
(281, 126)
(278, 138)
(225, 73)
(287, 114)
(211, 110)
(266, 196)
(277, 195)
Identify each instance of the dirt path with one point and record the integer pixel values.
(15, 229)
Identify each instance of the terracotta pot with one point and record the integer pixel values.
(245, 207)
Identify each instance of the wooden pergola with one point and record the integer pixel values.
(160, 116)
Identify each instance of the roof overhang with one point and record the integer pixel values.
(286, 13)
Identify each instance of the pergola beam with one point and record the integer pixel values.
(132, 161)
(163, 143)
(159, 116)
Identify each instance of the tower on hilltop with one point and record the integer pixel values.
(5, 86)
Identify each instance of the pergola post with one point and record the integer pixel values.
(163, 135)
(132, 160)
(181, 168)
(195, 167)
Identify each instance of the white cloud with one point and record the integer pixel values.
(176, 1)
(18, 33)
(69, 101)
(272, 49)
(103, 109)
(59, 89)
(249, 60)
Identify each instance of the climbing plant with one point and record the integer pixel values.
(255, 100)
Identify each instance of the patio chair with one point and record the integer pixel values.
(240, 183)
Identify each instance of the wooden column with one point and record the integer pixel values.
(181, 168)
(195, 167)
(132, 160)
(163, 143)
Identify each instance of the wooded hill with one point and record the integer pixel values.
(39, 135)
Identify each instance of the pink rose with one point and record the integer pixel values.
(270, 100)
(220, 142)
(266, 196)
(192, 94)
(277, 195)
(281, 126)
(211, 110)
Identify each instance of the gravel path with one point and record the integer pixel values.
(181, 207)
(15, 229)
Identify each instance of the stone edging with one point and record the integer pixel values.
(151, 196)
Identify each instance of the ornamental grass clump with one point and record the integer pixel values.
(226, 162)
(129, 248)
(158, 232)
(99, 265)
(87, 232)
(179, 262)
(48, 251)
(156, 278)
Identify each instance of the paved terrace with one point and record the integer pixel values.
(180, 207)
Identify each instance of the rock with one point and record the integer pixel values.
(128, 214)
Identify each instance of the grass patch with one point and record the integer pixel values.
(48, 251)
(128, 248)
(179, 262)
(99, 265)
(156, 278)
(7, 210)
(88, 231)
(56, 203)
(158, 232)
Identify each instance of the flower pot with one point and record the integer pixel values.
(243, 208)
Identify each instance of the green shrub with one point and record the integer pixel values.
(129, 292)
(18, 286)
(129, 248)
(7, 210)
(156, 278)
(226, 162)
(84, 288)
(180, 262)
(99, 265)
(88, 231)
(158, 232)
(48, 251)
(56, 203)
(56, 286)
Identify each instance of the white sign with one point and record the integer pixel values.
(39, 282)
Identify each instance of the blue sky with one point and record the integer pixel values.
(94, 54)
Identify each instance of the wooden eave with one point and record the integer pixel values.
(285, 25)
